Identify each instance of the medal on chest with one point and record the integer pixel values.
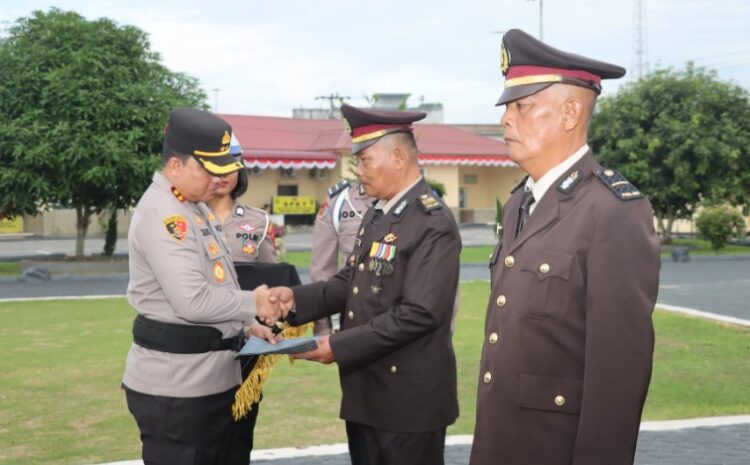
(382, 255)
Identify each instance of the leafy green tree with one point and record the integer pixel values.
(682, 137)
(82, 110)
(717, 224)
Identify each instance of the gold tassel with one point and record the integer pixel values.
(249, 393)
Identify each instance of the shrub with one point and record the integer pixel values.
(717, 224)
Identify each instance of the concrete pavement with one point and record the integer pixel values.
(703, 441)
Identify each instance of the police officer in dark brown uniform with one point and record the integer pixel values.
(568, 343)
(394, 352)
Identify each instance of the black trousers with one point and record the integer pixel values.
(373, 446)
(192, 430)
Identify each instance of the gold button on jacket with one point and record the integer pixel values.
(487, 377)
(509, 261)
(493, 338)
(559, 401)
(501, 300)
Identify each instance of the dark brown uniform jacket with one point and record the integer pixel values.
(395, 356)
(568, 345)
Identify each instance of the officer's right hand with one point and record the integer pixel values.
(268, 312)
(283, 298)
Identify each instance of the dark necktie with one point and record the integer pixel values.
(377, 216)
(527, 200)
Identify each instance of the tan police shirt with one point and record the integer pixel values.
(247, 232)
(335, 229)
(181, 272)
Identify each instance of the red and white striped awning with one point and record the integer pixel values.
(466, 160)
(286, 159)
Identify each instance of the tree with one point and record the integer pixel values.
(682, 137)
(82, 110)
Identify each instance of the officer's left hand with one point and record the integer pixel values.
(322, 354)
(263, 332)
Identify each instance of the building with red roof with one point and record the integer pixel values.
(303, 157)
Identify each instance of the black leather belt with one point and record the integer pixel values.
(182, 339)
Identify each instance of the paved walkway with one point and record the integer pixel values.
(703, 441)
(23, 247)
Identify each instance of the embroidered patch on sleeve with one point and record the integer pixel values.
(176, 226)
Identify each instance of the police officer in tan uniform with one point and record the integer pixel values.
(335, 230)
(568, 342)
(180, 373)
(394, 351)
(245, 230)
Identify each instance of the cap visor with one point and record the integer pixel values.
(516, 92)
(220, 166)
(360, 146)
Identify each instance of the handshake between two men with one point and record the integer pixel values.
(273, 306)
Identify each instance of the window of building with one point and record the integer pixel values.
(287, 190)
(471, 179)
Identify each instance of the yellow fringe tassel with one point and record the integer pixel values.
(249, 393)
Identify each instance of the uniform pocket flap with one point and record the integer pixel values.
(551, 394)
(549, 265)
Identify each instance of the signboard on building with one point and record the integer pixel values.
(13, 226)
(294, 205)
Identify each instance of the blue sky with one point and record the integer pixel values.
(272, 56)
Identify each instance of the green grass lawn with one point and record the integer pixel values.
(61, 364)
(10, 268)
(702, 247)
(480, 254)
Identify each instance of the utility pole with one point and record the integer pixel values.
(216, 100)
(541, 10)
(640, 63)
(331, 98)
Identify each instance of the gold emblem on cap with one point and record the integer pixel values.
(504, 59)
(226, 139)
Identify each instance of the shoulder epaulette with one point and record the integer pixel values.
(520, 184)
(429, 202)
(338, 187)
(618, 184)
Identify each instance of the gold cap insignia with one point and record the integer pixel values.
(226, 139)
